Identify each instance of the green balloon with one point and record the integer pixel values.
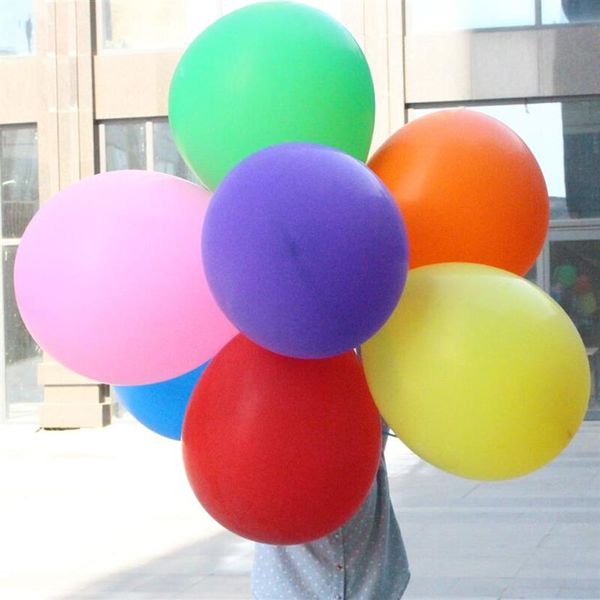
(266, 74)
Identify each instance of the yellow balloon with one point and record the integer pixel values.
(479, 372)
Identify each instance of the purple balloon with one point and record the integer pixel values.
(305, 250)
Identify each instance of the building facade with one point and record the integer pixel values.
(85, 88)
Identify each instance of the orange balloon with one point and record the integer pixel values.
(469, 188)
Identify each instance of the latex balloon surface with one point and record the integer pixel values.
(469, 190)
(265, 74)
(281, 450)
(479, 372)
(161, 406)
(305, 250)
(109, 279)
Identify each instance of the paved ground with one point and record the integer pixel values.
(108, 515)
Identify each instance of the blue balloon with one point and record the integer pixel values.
(161, 406)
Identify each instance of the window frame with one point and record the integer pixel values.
(9, 242)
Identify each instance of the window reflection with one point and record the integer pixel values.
(429, 16)
(173, 24)
(582, 158)
(155, 24)
(575, 285)
(555, 12)
(565, 139)
(166, 157)
(332, 7)
(125, 145)
(18, 178)
(532, 274)
(22, 354)
(17, 25)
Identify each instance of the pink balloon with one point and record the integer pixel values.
(109, 279)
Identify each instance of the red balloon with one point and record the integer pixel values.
(281, 450)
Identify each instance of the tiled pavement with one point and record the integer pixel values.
(108, 515)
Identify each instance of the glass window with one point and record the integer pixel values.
(581, 137)
(18, 178)
(431, 16)
(332, 7)
(17, 23)
(173, 24)
(532, 274)
(125, 145)
(154, 24)
(575, 284)
(166, 157)
(558, 12)
(565, 139)
(22, 354)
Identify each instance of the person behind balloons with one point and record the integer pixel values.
(363, 560)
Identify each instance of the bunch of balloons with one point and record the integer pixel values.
(138, 279)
